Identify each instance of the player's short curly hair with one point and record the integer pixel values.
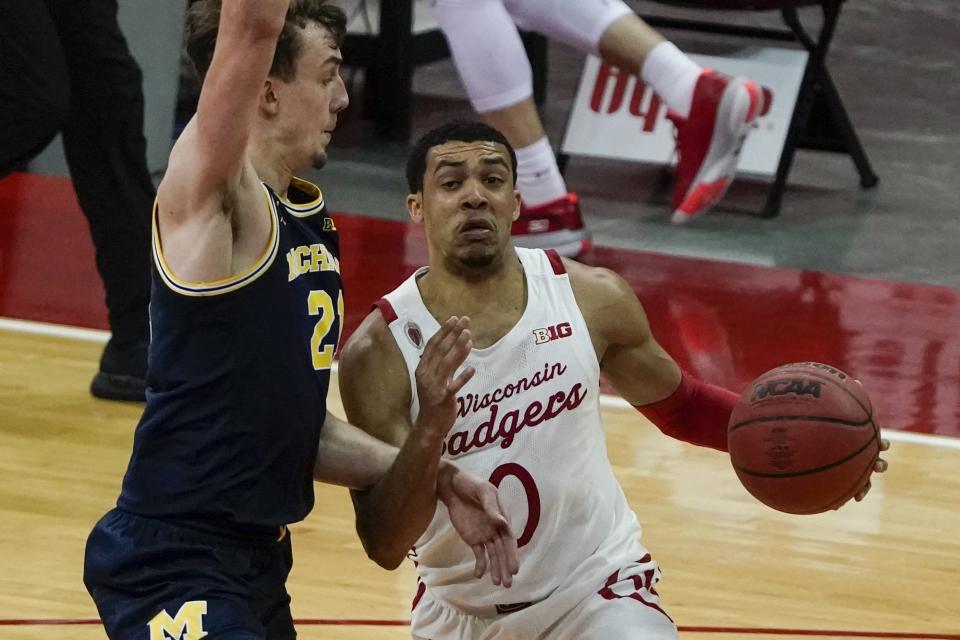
(203, 22)
(454, 131)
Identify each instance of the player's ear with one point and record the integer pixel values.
(415, 206)
(518, 200)
(269, 101)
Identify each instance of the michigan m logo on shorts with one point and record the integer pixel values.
(186, 625)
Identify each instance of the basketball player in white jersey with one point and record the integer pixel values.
(543, 328)
(712, 113)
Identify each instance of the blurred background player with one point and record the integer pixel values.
(543, 329)
(65, 67)
(712, 112)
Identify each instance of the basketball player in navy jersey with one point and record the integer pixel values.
(543, 329)
(246, 313)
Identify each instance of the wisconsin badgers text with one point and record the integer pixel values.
(504, 427)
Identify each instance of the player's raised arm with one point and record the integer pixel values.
(210, 177)
(640, 369)
(232, 87)
(212, 149)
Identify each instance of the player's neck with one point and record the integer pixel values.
(499, 291)
(272, 171)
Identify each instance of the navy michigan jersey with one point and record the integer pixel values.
(238, 377)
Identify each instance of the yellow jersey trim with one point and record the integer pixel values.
(225, 285)
(308, 209)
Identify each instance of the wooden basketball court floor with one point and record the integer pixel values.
(884, 568)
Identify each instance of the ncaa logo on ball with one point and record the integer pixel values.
(785, 386)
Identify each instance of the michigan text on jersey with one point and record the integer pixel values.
(310, 259)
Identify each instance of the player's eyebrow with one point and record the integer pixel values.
(442, 164)
(488, 160)
(495, 159)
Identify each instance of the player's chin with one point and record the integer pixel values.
(477, 254)
(319, 160)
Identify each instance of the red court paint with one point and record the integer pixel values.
(725, 322)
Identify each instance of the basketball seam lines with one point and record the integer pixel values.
(841, 501)
(794, 474)
(847, 423)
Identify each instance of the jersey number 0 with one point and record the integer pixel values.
(529, 488)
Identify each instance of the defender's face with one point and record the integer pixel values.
(468, 202)
(310, 102)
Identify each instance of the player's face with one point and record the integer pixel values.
(468, 203)
(310, 102)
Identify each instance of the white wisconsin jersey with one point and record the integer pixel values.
(529, 420)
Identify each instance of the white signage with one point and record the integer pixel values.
(618, 116)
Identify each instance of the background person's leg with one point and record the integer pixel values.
(34, 87)
(106, 152)
(712, 112)
(498, 78)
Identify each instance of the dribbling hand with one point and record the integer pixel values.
(878, 467)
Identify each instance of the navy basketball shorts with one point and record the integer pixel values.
(155, 580)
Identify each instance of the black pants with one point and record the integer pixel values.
(65, 67)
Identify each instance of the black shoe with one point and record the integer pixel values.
(123, 372)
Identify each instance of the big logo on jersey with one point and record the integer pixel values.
(186, 625)
(553, 332)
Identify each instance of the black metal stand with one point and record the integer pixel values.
(820, 120)
(830, 129)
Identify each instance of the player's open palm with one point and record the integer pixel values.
(473, 505)
(437, 387)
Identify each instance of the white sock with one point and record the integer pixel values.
(673, 75)
(538, 177)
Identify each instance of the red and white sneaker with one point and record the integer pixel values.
(557, 224)
(709, 141)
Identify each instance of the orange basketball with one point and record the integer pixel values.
(802, 438)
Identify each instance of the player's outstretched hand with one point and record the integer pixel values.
(477, 515)
(437, 388)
